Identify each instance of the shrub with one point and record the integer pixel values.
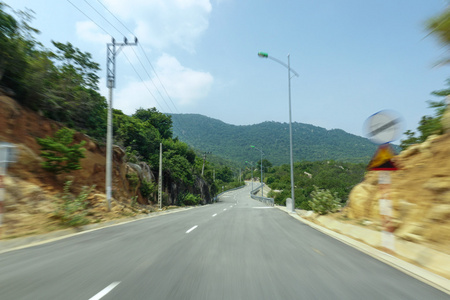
(133, 179)
(189, 199)
(147, 188)
(323, 201)
(59, 152)
(72, 212)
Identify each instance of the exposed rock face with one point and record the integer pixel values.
(32, 193)
(202, 186)
(446, 117)
(420, 193)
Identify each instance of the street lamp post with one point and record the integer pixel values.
(288, 66)
(262, 182)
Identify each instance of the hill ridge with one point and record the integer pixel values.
(310, 142)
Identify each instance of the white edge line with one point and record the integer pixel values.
(192, 229)
(105, 291)
(101, 226)
(214, 215)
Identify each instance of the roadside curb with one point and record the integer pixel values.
(426, 257)
(29, 241)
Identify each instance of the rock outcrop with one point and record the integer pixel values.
(32, 194)
(420, 194)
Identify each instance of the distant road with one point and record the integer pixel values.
(237, 248)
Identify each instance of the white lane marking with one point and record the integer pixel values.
(224, 209)
(105, 291)
(231, 205)
(262, 207)
(192, 229)
(214, 215)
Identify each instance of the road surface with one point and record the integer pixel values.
(237, 248)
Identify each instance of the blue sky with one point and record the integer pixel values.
(354, 57)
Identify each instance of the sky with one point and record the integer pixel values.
(354, 58)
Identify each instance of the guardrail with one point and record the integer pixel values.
(268, 201)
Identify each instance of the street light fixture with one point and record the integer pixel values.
(262, 182)
(288, 66)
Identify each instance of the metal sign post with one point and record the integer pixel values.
(8, 154)
(385, 207)
(382, 128)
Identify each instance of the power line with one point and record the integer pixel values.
(156, 74)
(151, 80)
(115, 17)
(146, 57)
(89, 18)
(142, 80)
(103, 17)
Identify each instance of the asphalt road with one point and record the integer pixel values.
(237, 248)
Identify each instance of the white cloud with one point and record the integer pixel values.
(184, 84)
(185, 87)
(88, 31)
(164, 23)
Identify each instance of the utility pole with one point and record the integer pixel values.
(204, 160)
(160, 177)
(112, 50)
(240, 172)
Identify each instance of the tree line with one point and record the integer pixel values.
(337, 177)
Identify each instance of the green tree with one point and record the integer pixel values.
(224, 174)
(60, 153)
(76, 66)
(158, 120)
(140, 136)
(428, 125)
(16, 42)
(439, 26)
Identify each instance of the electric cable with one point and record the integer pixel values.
(103, 17)
(104, 30)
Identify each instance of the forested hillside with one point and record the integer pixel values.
(311, 143)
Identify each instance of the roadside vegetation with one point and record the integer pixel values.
(62, 84)
(317, 184)
(439, 27)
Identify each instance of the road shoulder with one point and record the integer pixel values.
(430, 259)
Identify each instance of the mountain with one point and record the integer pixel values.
(232, 142)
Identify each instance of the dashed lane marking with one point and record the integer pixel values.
(105, 291)
(192, 229)
(317, 251)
